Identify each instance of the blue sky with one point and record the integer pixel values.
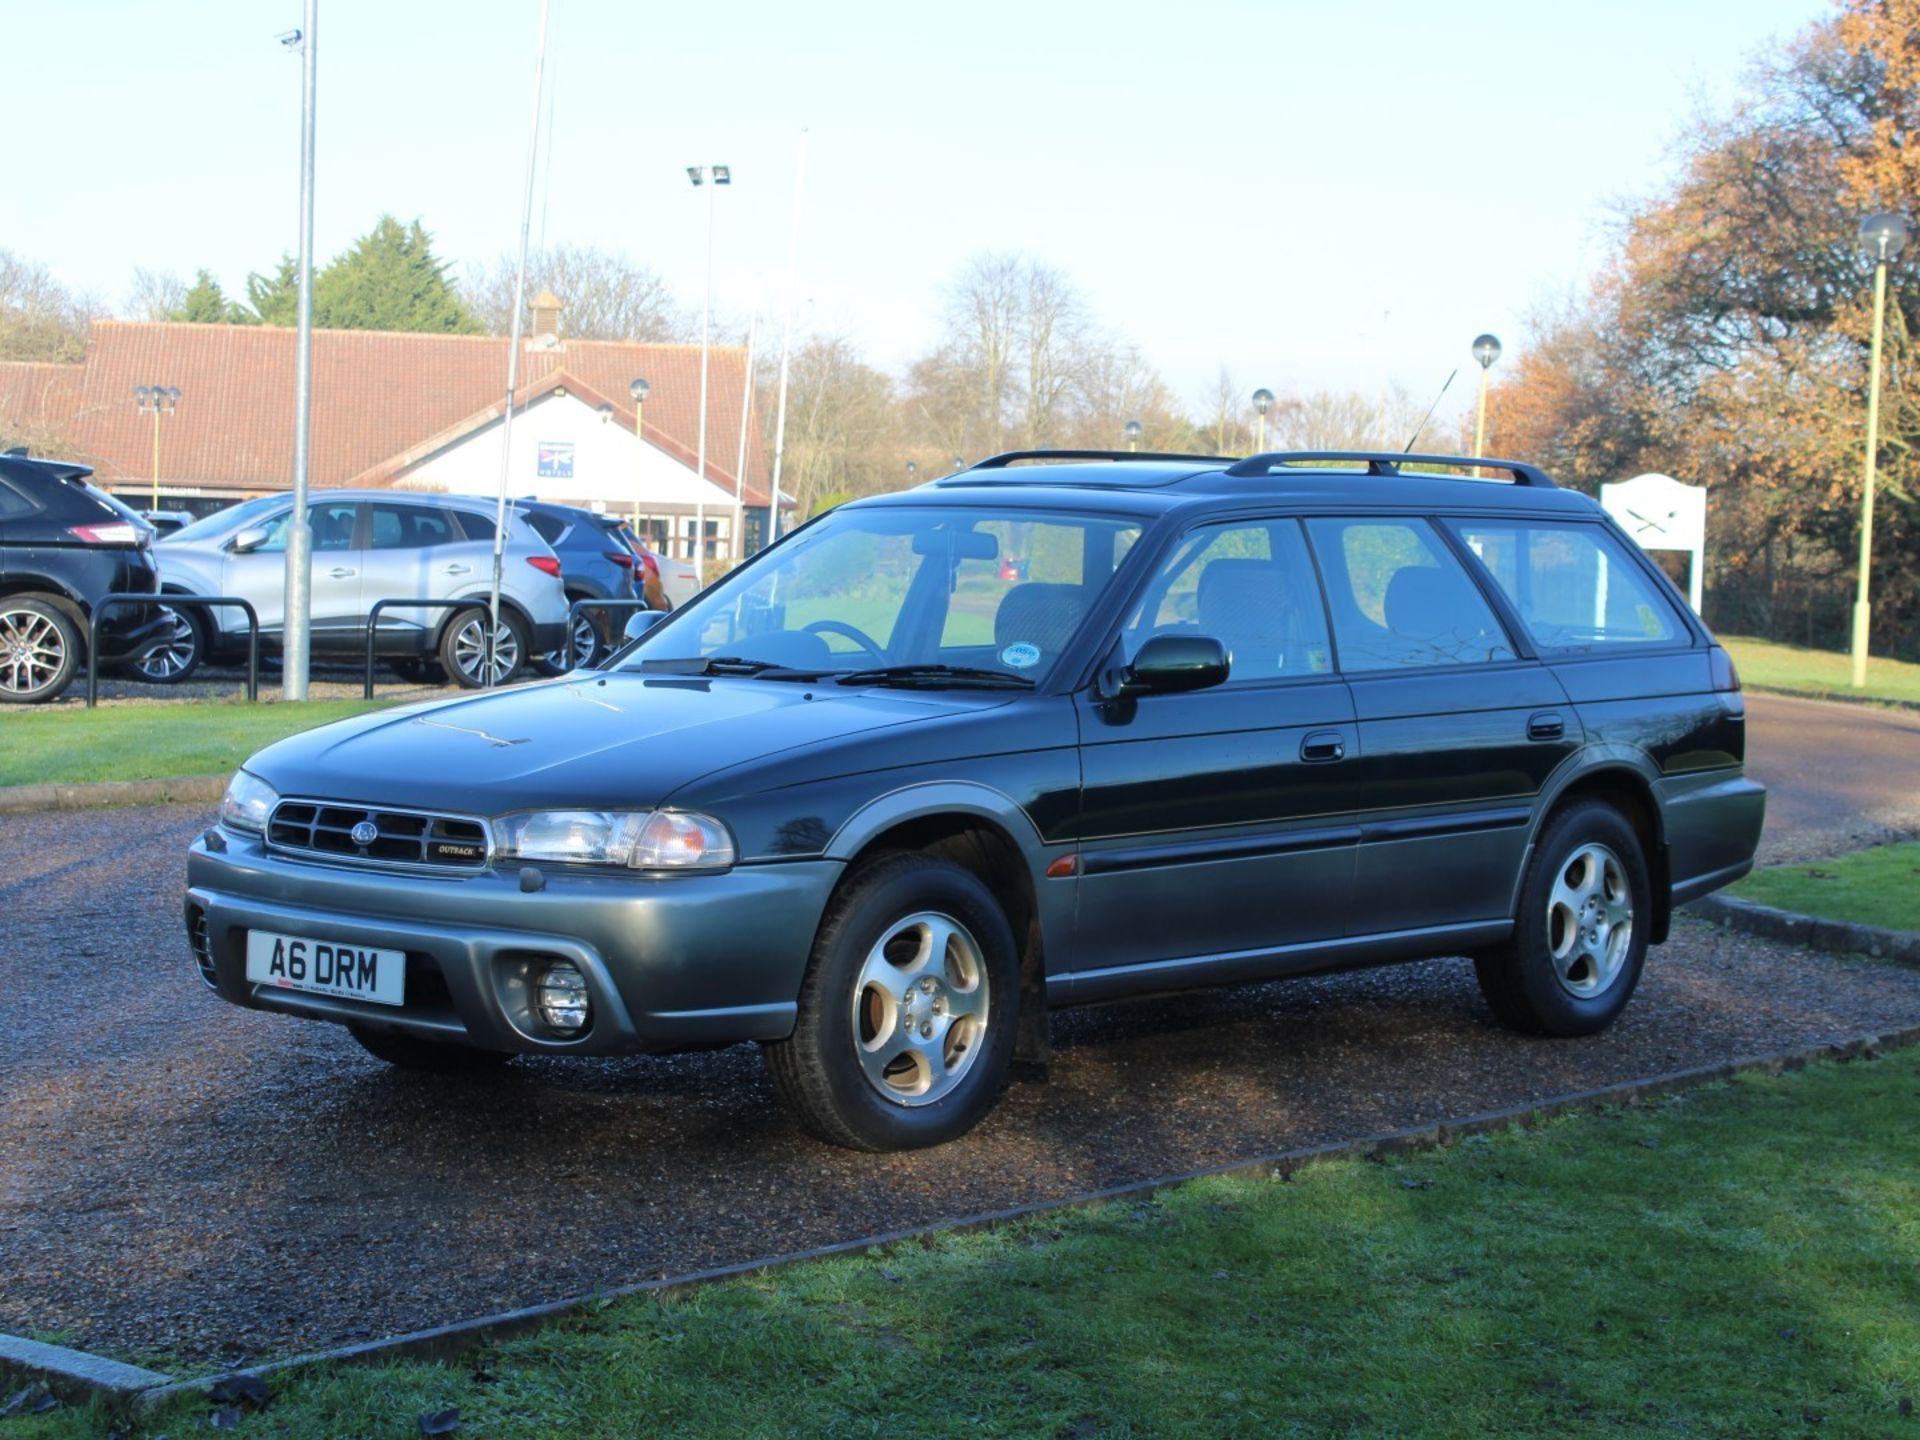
(1327, 194)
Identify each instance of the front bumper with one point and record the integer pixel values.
(672, 963)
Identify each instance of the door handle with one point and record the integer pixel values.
(1546, 726)
(455, 569)
(1322, 746)
(340, 572)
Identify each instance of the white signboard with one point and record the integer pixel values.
(1662, 514)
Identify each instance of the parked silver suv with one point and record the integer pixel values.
(368, 545)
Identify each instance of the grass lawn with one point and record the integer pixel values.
(1738, 1261)
(151, 742)
(1819, 672)
(1879, 886)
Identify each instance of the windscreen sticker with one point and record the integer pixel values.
(1021, 656)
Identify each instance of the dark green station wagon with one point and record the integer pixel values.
(1059, 729)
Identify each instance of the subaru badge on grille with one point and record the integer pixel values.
(365, 833)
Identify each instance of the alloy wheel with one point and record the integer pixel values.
(580, 653)
(32, 651)
(920, 1009)
(1590, 920)
(470, 652)
(173, 653)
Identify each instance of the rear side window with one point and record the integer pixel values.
(475, 527)
(1399, 598)
(548, 527)
(1574, 587)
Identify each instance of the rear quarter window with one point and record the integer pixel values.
(1576, 589)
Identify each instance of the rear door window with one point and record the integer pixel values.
(1574, 587)
(410, 527)
(1399, 598)
(13, 504)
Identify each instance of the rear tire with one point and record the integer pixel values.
(1580, 938)
(584, 650)
(409, 1052)
(907, 1012)
(463, 648)
(39, 651)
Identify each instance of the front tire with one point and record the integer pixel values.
(1580, 937)
(463, 648)
(409, 1052)
(39, 651)
(908, 1010)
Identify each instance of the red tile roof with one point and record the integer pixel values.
(381, 401)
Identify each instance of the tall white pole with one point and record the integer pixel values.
(294, 638)
(706, 327)
(786, 343)
(739, 546)
(513, 355)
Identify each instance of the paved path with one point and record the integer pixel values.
(1837, 776)
(183, 1179)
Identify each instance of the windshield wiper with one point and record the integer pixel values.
(933, 675)
(729, 665)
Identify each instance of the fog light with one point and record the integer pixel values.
(562, 998)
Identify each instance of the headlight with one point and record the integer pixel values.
(247, 803)
(634, 840)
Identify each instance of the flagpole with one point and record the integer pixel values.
(513, 356)
(786, 343)
(746, 412)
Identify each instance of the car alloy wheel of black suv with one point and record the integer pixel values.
(63, 545)
(1060, 729)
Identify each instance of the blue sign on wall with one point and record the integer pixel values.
(556, 460)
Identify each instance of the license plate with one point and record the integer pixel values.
(327, 967)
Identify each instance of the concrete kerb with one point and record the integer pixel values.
(1841, 937)
(74, 1374)
(15, 799)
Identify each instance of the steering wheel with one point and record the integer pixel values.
(859, 637)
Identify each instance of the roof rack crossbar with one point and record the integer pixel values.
(1389, 462)
(1001, 462)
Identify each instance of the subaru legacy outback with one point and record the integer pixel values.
(880, 801)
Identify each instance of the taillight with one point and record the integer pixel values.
(118, 532)
(546, 563)
(620, 558)
(1725, 676)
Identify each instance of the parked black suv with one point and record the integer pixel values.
(878, 804)
(63, 545)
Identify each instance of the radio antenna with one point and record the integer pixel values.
(1408, 448)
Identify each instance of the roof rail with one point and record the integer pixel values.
(1001, 462)
(1388, 462)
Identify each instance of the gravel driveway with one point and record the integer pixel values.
(185, 1179)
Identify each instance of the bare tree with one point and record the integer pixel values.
(842, 425)
(40, 319)
(603, 296)
(154, 295)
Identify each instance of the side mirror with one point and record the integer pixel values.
(249, 539)
(640, 622)
(1171, 664)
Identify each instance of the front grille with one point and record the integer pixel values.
(418, 838)
(202, 945)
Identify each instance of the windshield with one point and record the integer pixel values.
(903, 594)
(221, 521)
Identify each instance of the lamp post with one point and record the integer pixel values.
(1133, 430)
(1486, 349)
(156, 400)
(638, 389)
(959, 463)
(699, 175)
(1882, 237)
(912, 470)
(1262, 403)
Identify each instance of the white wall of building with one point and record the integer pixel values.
(607, 464)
